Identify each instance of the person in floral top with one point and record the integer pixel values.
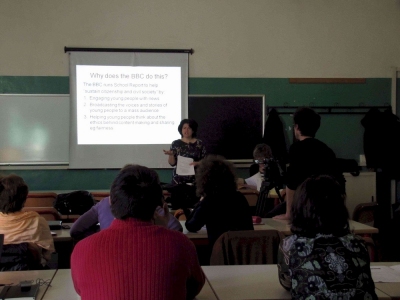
(187, 146)
(322, 259)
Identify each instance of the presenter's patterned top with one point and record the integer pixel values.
(195, 150)
(326, 267)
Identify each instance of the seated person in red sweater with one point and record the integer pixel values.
(133, 258)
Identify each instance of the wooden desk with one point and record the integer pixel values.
(16, 277)
(62, 288)
(283, 226)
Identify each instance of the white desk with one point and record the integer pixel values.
(246, 282)
(16, 277)
(390, 288)
(261, 282)
(62, 288)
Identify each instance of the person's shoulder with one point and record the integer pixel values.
(173, 236)
(176, 143)
(288, 242)
(320, 143)
(94, 240)
(105, 202)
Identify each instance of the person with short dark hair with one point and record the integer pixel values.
(133, 258)
(221, 208)
(308, 156)
(261, 153)
(322, 259)
(22, 226)
(187, 146)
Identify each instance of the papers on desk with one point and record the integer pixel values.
(386, 274)
(183, 166)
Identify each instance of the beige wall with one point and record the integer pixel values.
(231, 38)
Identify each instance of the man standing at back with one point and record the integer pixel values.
(308, 156)
(133, 258)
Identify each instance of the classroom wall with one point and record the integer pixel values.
(231, 38)
(240, 47)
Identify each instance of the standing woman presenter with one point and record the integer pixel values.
(187, 146)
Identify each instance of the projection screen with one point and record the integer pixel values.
(125, 107)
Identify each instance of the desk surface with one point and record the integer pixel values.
(16, 277)
(228, 282)
(256, 282)
(283, 226)
(268, 224)
(390, 288)
(246, 282)
(62, 288)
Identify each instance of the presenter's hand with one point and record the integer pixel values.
(168, 152)
(195, 163)
(161, 215)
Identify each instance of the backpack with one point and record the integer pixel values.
(74, 203)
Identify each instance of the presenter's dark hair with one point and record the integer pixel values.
(13, 193)
(192, 124)
(307, 120)
(215, 176)
(135, 193)
(319, 207)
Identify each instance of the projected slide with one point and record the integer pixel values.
(127, 104)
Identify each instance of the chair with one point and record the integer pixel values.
(365, 213)
(45, 199)
(49, 213)
(247, 247)
(98, 196)
(251, 196)
(19, 257)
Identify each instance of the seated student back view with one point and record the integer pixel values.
(133, 258)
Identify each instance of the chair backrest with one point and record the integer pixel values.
(98, 196)
(1, 244)
(365, 213)
(45, 199)
(251, 196)
(49, 213)
(247, 247)
(20, 257)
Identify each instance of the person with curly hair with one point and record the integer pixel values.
(322, 259)
(221, 207)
